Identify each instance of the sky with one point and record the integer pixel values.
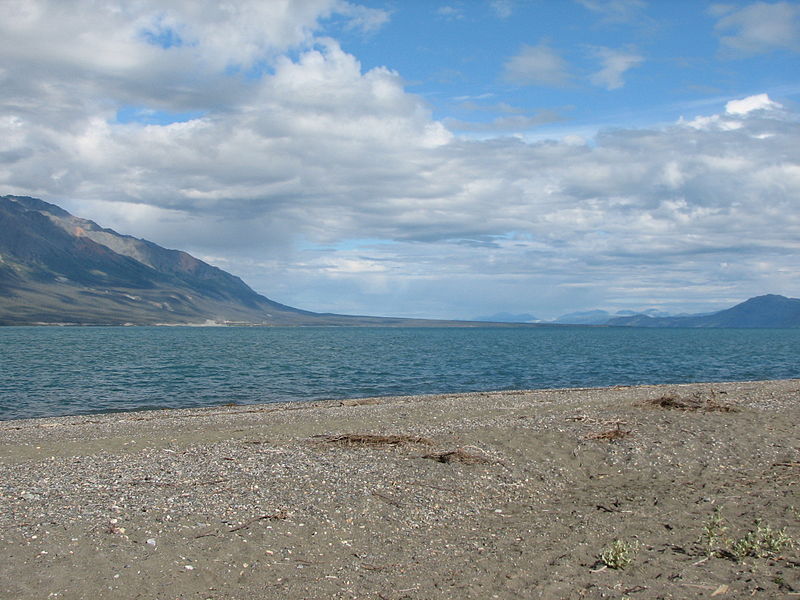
(424, 158)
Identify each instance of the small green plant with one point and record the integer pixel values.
(619, 554)
(761, 542)
(712, 536)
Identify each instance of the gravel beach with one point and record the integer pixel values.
(484, 495)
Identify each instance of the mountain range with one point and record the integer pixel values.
(601, 317)
(56, 268)
(769, 311)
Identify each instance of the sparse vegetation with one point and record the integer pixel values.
(619, 555)
(712, 537)
(760, 542)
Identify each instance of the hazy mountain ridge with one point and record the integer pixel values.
(506, 317)
(55, 267)
(769, 311)
(59, 268)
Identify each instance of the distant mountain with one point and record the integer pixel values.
(504, 317)
(58, 268)
(586, 317)
(602, 317)
(650, 312)
(770, 312)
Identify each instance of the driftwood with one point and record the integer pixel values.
(366, 439)
(699, 401)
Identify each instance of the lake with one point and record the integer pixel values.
(51, 371)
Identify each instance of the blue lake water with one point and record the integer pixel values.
(49, 371)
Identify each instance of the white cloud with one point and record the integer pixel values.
(510, 123)
(368, 20)
(636, 209)
(615, 11)
(751, 103)
(734, 110)
(760, 27)
(502, 8)
(451, 13)
(615, 64)
(537, 65)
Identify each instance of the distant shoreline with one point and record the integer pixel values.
(390, 322)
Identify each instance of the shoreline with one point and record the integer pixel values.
(513, 494)
(198, 411)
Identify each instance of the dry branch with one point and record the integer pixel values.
(366, 439)
(697, 402)
(279, 516)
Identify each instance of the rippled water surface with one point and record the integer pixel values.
(48, 371)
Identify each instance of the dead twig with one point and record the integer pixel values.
(367, 439)
(594, 421)
(635, 589)
(279, 516)
(387, 499)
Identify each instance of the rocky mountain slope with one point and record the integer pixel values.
(59, 268)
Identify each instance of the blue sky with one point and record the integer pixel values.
(425, 159)
(459, 57)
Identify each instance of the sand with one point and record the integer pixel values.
(481, 495)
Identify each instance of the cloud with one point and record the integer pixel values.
(615, 64)
(537, 65)
(617, 218)
(91, 60)
(451, 13)
(734, 110)
(751, 103)
(502, 8)
(759, 27)
(368, 20)
(511, 123)
(615, 11)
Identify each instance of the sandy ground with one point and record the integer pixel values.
(484, 495)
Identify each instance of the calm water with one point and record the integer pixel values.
(47, 371)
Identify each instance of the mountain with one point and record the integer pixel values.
(650, 312)
(602, 317)
(58, 268)
(586, 317)
(770, 312)
(504, 317)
